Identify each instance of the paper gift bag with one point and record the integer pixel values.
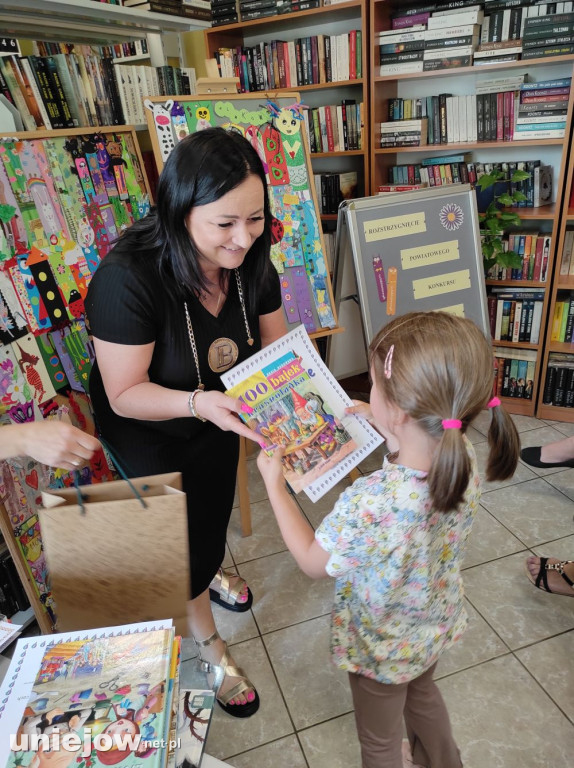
(113, 561)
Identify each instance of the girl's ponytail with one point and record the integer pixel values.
(449, 474)
(503, 443)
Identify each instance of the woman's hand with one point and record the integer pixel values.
(223, 411)
(54, 443)
(271, 468)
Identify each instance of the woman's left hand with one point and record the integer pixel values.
(223, 411)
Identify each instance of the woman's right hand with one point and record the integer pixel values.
(223, 411)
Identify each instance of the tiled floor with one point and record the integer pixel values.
(509, 684)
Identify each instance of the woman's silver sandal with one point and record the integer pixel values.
(220, 671)
(226, 595)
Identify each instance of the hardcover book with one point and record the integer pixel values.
(297, 404)
(194, 711)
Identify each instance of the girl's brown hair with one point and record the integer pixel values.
(441, 367)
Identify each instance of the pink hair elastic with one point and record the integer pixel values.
(451, 423)
(493, 403)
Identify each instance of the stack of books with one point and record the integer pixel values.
(224, 12)
(550, 35)
(114, 691)
(404, 133)
(542, 109)
(514, 372)
(257, 9)
(559, 383)
(332, 188)
(193, 9)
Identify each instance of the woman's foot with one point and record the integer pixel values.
(551, 575)
(551, 455)
(233, 690)
(230, 591)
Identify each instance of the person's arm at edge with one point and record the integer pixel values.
(54, 443)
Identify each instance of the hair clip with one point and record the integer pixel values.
(388, 362)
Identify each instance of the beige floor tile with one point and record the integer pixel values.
(525, 423)
(284, 595)
(314, 689)
(564, 427)
(489, 540)
(563, 480)
(522, 471)
(316, 511)
(562, 548)
(482, 422)
(475, 436)
(479, 643)
(266, 538)
(501, 718)
(534, 512)
(283, 753)
(333, 744)
(519, 613)
(234, 627)
(232, 735)
(541, 436)
(257, 491)
(550, 662)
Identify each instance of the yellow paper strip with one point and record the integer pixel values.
(430, 254)
(396, 226)
(454, 309)
(438, 284)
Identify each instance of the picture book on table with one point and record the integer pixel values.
(195, 707)
(98, 701)
(297, 404)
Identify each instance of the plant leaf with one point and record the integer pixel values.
(520, 176)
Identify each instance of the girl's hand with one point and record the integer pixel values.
(271, 468)
(360, 408)
(223, 411)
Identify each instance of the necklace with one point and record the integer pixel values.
(223, 352)
(204, 301)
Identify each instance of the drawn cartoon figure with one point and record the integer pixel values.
(203, 116)
(27, 363)
(288, 121)
(162, 122)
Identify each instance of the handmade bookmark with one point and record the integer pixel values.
(380, 282)
(47, 286)
(304, 301)
(392, 291)
(32, 366)
(289, 300)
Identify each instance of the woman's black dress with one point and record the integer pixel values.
(129, 302)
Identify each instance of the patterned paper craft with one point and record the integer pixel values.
(47, 287)
(25, 289)
(80, 351)
(57, 338)
(12, 325)
(32, 366)
(52, 361)
(14, 389)
(14, 229)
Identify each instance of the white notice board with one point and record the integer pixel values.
(411, 251)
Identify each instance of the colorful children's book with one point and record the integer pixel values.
(193, 718)
(298, 404)
(8, 633)
(99, 698)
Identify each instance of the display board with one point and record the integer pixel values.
(275, 128)
(412, 251)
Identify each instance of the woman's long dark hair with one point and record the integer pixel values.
(201, 169)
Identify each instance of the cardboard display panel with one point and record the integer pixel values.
(412, 251)
(274, 126)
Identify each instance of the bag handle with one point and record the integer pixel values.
(82, 498)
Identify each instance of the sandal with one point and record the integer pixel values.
(227, 596)
(541, 577)
(220, 671)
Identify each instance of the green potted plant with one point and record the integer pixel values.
(497, 218)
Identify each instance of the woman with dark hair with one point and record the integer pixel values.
(186, 293)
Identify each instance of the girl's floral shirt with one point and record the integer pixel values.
(399, 594)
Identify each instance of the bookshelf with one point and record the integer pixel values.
(462, 81)
(326, 20)
(84, 21)
(562, 289)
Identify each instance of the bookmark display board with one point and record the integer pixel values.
(413, 251)
(65, 197)
(275, 128)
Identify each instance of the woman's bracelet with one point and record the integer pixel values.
(191, 405)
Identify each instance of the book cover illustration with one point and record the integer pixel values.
(98, 701)
(8, 633)
(297, 404)
(195, 708)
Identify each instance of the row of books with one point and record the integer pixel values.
(65, 685)
(567, 257)
(82, 88)
(559, 382)
(534, 248)
(516, 315)
(461, 37)
(520, 112)
(562, 328)
(304, 61)
(514, 372)
(123, 50)
(332, 188)
(192, 9)
(335, 128)
(458, 168)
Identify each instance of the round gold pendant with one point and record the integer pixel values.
(223, 353)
